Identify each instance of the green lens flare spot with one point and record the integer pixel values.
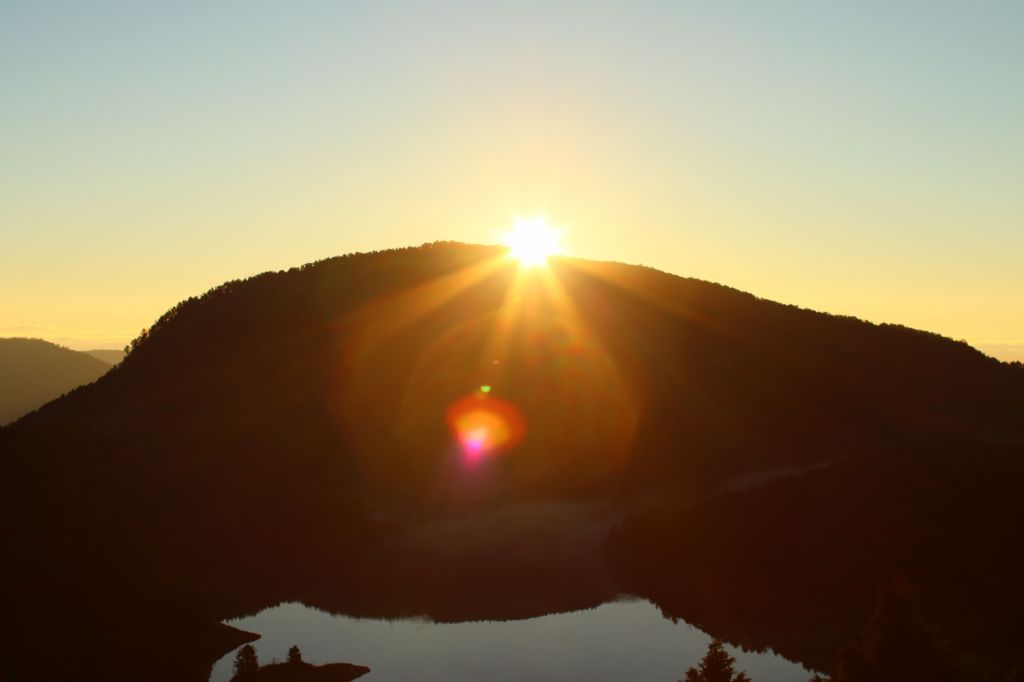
(485, 388)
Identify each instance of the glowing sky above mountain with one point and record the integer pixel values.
(858, 158)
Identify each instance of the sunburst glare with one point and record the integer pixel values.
(532, 241)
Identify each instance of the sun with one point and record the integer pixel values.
(532, 241)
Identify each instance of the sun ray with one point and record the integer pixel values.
(647, 287)
(406, 307)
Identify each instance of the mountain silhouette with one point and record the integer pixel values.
(33, 372)
(296, 435)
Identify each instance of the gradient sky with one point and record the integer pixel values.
(864, 158)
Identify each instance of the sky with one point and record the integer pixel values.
(859, 158)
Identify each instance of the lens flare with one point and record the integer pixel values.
(483, 426)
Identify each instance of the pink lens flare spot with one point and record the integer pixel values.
(483, 426)
(474, 444)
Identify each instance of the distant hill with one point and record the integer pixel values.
(111, 357)
(274, 437)
(33, 372)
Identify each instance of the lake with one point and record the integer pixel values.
(617, 641)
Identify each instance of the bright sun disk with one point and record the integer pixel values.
(532, 241)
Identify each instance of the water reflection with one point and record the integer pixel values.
(621, 640)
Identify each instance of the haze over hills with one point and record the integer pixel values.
(304, 426)
(111, 357)
(33, 372)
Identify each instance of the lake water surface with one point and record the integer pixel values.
(616, 642)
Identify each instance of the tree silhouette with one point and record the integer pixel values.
(716, 666)
(294, 655)
(246, 662)
(897, 644)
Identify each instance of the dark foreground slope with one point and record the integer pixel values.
(33, 372)
(795, 565)
(288, 436)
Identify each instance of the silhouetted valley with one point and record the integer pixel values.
(434, 431)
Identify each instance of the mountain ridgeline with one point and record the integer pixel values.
(288, 436)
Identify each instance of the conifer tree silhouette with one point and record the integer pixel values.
(716, 666)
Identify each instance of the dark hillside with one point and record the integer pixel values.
(795, 565)
(271, 432)
(650, 371)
